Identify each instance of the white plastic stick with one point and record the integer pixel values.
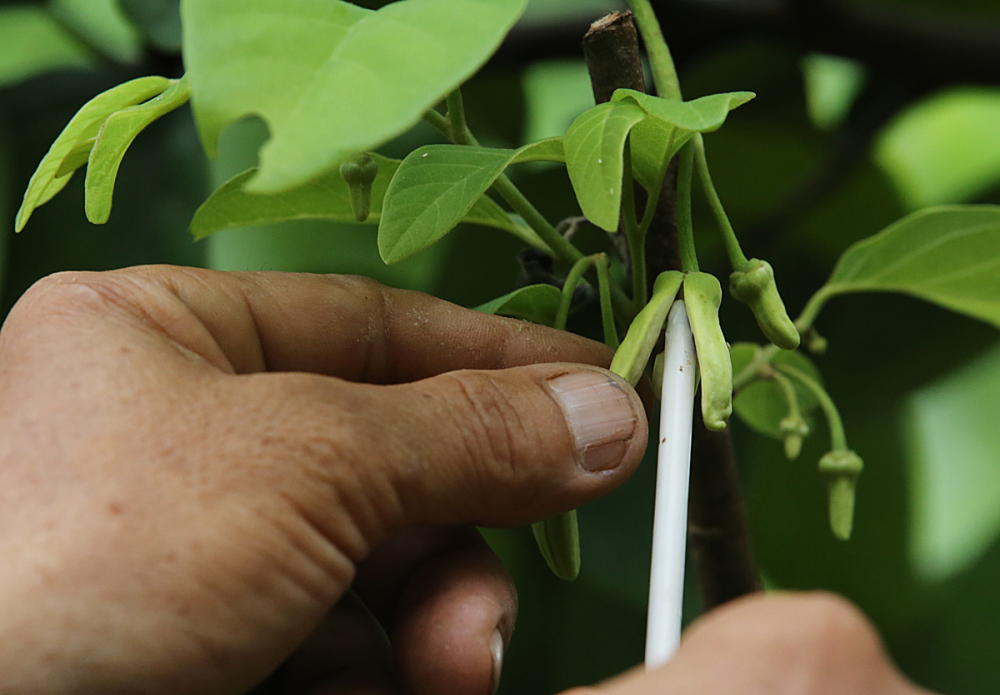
(673, 467)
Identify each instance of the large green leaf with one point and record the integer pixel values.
(594, 148)
(762, 404)
(330, 78)
(947, 255)
(103, 24)
(326, 198)
(437, 185)
(71, 148)
(535, 303)
(32, 42)
(671, 124)
(114, 139)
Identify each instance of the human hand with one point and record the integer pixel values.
(196, 466)
(783, 644)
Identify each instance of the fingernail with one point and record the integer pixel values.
(600, 415)
(496, 652)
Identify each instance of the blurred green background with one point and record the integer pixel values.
(842, 139)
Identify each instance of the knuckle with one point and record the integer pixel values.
(827, 619)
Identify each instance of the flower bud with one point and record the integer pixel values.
(842, 469)
(755, 287)
(360, 173)
(702, 298)
(794, 429)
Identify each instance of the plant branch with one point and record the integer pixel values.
(717, 527)
(718, 532)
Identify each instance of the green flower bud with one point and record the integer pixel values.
(842, 469)
(558, 539)
(794, 429)
(702, 298)
(360, 173)
(755, 287)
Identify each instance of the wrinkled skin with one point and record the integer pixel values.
(196, 466)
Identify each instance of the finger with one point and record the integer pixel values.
(492, 448)
(341, 326)
(813, 644)
(448, 604)
(348, 653)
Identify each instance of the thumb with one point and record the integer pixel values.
(505, 447)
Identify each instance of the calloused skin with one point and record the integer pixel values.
(196, 466)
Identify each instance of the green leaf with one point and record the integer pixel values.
(330, 78)
(535, 303)
(114, 139)
(761, 404)
(52, 174)
(594, 147)
(102, 24)
(947, 255)
(954, 479)
(32, 42)
(326, 198)
(437, 185)
(671, 124)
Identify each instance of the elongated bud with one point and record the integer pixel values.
(702, 298)
(755, 287)
(558, 538)
(360, 173)
(841, 469)
(794, 429)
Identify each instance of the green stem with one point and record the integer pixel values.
(439, 121)
(607, 310)
(838, 439)
(791, 397)
(755, 370)
(456, 119)
(812, 308)
(685, 224)
(636, 239)
(736, 258)
(660, 60)
(569, 288)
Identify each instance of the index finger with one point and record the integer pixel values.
(343, 326)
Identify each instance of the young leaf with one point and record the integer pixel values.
(32, 42)
(761, 404)
(535, 303)
(114, 139)
(53, 173)
(946, 255)
(671, 124)
(330, 78)
(326, 198)
(437, 185)
(594, 146)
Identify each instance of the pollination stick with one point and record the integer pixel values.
(673, 467)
